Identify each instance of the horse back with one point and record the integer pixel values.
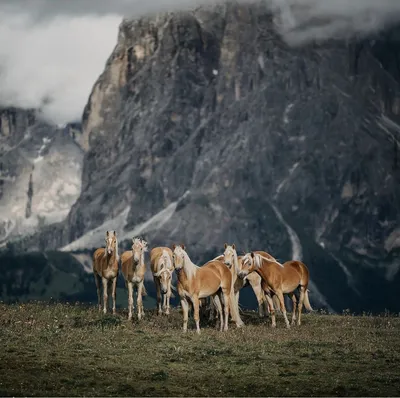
(217, 268)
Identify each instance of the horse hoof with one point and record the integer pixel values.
(273, 326)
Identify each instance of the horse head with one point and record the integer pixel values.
(178, 256)
(250, 262)
(111, 242)
(230, 255)
(165, 269)
(139, 246)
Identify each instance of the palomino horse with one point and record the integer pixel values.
(232, 261)
(105, 267)
(133, 269)
(162, 269)
(279, 279)
(194, 283)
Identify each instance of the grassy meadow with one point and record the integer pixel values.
(73, 350)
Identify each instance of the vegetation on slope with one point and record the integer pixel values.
(71, 350)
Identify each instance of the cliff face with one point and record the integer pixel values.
(40, 173)
(205, 127)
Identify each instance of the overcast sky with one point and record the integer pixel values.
(52, 51)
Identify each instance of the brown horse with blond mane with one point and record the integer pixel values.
(133, 269)
(194, 283)
(279, 279)
(162, 269)
(105, 268)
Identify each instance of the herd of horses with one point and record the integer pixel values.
(220, 280)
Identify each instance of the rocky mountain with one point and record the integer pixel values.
(40, 172)
(205, 127)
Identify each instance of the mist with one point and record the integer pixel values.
(302, 21)
(52, 51)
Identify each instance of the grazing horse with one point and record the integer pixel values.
(194, 283)
(279, 279)
(232, 261)
(162, 269)
(105, 268)
(133, 270)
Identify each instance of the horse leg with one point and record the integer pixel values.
(185, 310)
(266, 306)
(218, 306)
(225, 300)
(294, 301)
(164, 302)
(301, 301)
(158, 290)
(114, 295)
(271, 309)
(283, 308)
(260, 297)
(196, 308)
(168, 298)
(96, 278)
(139, 300)
(105, 295)
(130, 299)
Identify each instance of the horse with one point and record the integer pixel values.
(232, 261)
(279, 279)
(162, 269)
(133, 269)
(105, 268)
(194, 283)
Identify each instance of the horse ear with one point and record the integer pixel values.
(173, 247)
(107, 233)
(225, 245)
(183, 246)
(252, 254)
(233, 247)
(115, 234)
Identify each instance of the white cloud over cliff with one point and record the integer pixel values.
(52, 51)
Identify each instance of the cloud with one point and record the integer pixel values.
(53, 65)
(301, 21)
(52, 51)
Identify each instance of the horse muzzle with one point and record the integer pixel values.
(242, 275)
(164, 291)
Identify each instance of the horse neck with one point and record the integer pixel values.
(111, 259)
(189, 267)
(141, 261)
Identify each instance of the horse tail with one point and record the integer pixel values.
(233, 305)
(307, 301)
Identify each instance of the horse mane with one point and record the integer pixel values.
(236, 261)
(165, 257)
(270, 260)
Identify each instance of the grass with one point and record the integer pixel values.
(73, 350)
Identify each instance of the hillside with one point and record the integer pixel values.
(40, 172)
(71, 350)
(205, 128)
